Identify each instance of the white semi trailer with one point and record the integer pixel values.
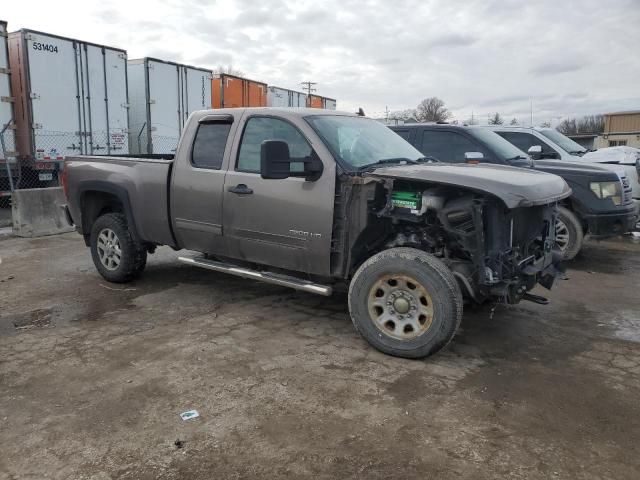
(71, 98)
(162, 96)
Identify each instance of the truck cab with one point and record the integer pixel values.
(588, 211)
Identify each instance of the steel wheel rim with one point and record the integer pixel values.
(109, 250)
(562, 235)
(400, 307)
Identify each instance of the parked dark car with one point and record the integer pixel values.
(601, 204)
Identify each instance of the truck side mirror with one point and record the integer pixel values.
(473, 157)
(275, 161)
(535, 152)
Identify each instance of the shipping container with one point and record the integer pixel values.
(70, 98)
(316, 101)
(7, 149)
(282, 97)
(229, 91)
(162, 95)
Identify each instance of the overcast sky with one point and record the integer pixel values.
(568, 57)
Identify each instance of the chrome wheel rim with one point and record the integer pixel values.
(562, 235)
(109, 250)
(400, 307)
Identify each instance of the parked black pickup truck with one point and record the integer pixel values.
(601, 204)
(313, 199)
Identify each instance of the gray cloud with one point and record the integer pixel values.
(453, 40)
(556, 67)
(480, 56)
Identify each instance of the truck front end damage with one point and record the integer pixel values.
(497, 247)
(492, 250)
(497, 252)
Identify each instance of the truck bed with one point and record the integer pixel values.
(141, 180)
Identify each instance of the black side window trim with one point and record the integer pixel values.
(469, 138)
(195, 138)
(244, 128)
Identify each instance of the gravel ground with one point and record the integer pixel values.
(94, 376)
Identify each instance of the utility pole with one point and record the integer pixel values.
(386, 114)
(531, 112)
(308, 86)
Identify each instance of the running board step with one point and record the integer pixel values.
(267, 277)
(540, 300)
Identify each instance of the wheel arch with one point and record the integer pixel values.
(97, 198)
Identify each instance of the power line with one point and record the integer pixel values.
(308, 86)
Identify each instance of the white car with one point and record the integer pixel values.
(556, 145)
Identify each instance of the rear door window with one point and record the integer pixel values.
(403, 133)
(447, 146)
(209, 145)
(524, 141)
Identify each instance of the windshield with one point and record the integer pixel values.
(361, 141)
(563, 142)
(499, 145)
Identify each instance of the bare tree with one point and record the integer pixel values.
(229, 70)
(513, 122)
(545, 124)
(432, 110)
(591, 124)
(496, 119)
(404, 115)
(568, 126)
(586, 124)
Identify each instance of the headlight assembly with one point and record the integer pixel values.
(612, 190)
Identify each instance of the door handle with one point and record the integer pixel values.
(240, 189)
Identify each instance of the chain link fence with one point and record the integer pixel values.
(44, 168)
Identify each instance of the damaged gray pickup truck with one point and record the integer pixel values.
(316, 200)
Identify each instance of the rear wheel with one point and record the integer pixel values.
(116, 254)
(569, 233)
(405, 303)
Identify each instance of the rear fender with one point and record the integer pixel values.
(90, 208)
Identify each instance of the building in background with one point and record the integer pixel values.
(620, 129)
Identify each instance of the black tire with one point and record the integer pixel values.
(569, 223)
(429, 275)
(133, 255)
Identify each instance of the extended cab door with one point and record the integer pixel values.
(447, 145)
(197, 183)
(524, 141)
(283, 223)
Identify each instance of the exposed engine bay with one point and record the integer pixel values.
(493, 250)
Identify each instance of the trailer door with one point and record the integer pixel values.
(54, 90)
(97, 132)
(197, 91)
(117, 101)
(164, 105)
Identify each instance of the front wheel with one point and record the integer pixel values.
(116, 254)
(405, 303)
(569, 233)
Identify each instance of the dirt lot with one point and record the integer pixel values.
(93, 378)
